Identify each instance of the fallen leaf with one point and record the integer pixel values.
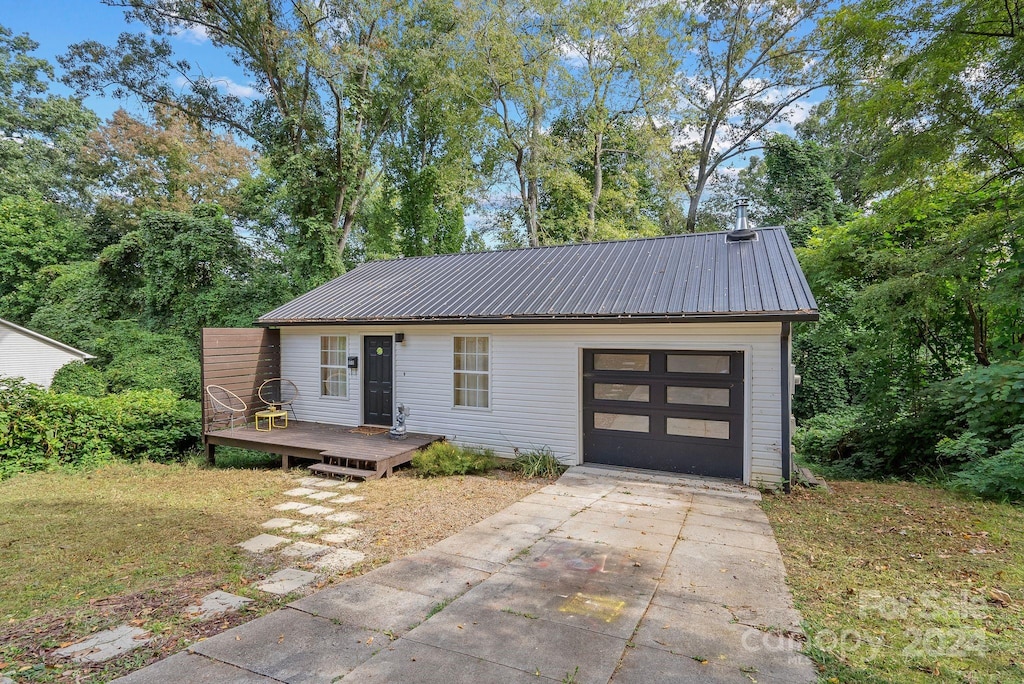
(1000, 597)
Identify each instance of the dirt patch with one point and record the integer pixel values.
(404, 514)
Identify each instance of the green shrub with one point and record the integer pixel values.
(136, 359)
(79, 378)
(445, 458)
(828, 437)
(537, 463)
(988, 400)
(40, 430)
(999, 477)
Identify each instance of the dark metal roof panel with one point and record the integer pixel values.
(674, 277)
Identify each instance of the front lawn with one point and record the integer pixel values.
(137, 543)
(904, 582)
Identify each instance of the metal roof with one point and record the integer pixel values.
(699, 277)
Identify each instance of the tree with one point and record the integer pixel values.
(792, 186)
(171, 164)
(331, 78)
(33, 236)
(516, 42)
(752, 62)
(942, 77)
(618, 72)
(40, 133)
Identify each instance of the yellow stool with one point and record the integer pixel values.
(271, 416)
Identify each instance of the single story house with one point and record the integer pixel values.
(30, 355)
(668, 353)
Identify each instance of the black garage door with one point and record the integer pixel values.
(680, 411)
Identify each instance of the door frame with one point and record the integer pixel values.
(364, 372)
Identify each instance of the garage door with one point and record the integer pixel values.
(680, 411)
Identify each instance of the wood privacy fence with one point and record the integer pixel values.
(240, 360)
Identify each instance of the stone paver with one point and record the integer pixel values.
(193, 669)
(315, 510)
(263, 542)
(306, 649)
(286, 581)
(278, 523)
(605, 576)
(306, 550)
(304, 529)
(342, 535)
(290, 506)
(216, 603)
(344, 517)
(340, 560)
(320, 496)
(299, 491)
(324, 483)
(347, 499)
(105, 645)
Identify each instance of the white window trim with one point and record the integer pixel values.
(490, 385)
(343, 367)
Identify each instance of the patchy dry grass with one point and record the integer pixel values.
(905, 583)
(85, 551)
(403, 513)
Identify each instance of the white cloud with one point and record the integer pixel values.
(232, 88)
(193, 33)
(223, 83)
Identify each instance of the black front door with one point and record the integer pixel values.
(377, 353)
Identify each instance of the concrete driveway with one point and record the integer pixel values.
(606, 575)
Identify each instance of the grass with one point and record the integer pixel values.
(902, 582)
(87, 550)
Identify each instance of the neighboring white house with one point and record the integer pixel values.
(669, 353)
(25, 353)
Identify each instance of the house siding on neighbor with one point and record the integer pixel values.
(536, 395)
(34, 357)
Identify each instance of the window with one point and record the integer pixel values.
(698, 363)
(473, 372)
(621, 421)
(333, 366)
(698, 396)
(622, 362)
(620, 392)
(697, 427)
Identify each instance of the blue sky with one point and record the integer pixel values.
(56, 24)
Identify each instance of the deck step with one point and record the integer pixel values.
(341, 470)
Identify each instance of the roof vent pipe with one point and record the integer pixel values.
(741, 231)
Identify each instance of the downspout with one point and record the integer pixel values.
(787, 409)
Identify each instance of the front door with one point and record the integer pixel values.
(377, 380)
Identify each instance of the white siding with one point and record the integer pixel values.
(28, 357)
(535, 381)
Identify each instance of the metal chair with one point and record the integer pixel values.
(224, 402)
(279, 392)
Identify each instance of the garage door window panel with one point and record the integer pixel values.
(622, 392)
(623, 422)
(703, 364)
(637, 363)
(698, 396)
(697, 427)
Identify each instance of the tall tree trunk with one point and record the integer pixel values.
(595, 195)
(691, 211)
(980, 329)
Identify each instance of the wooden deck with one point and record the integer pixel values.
(337, 449)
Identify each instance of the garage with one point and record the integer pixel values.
(674, 410)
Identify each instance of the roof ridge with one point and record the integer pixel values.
(509, 250)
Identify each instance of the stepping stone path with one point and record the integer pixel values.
(105, 645)
(286, 581)
(306, 550)
(216, 603)
(326, 558)
(347, 498)
(262, 542)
